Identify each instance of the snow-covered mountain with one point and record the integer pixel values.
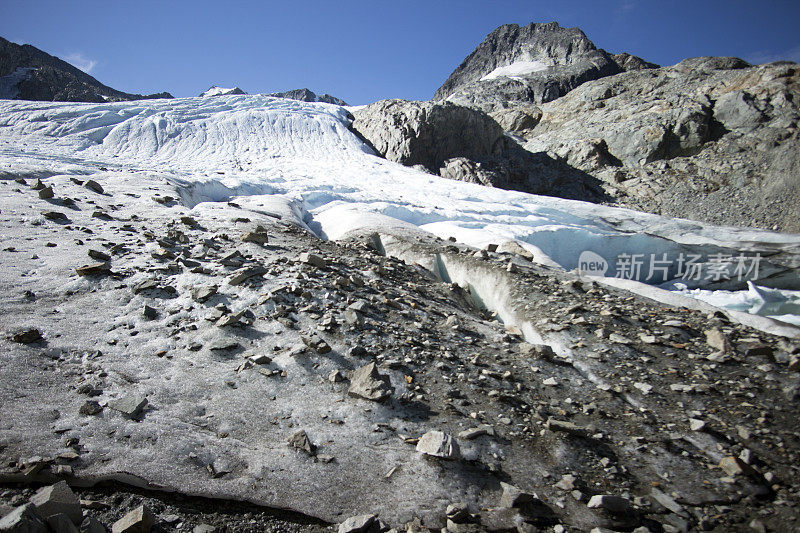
(218, 91)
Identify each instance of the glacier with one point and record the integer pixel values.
(301, 159)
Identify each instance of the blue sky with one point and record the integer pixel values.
(362, 51)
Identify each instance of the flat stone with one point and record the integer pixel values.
(140, 520)
(257, 237)
(666, 501)
(97, 255)
(358, 524)
(619, 339)
(478, 431)
(54, 215)
(23, 519)
(130, 406)
(230, 320)
(46, 193)
(242, 275)
(146, 285)
(58, 499)
(95, 269)
(312, 259)
(202, 294)
(367, 383)
(696, 424)
(204, 528)
(567, 427)
(223, 344)
(438, 444)
(28, 336)
(611, 503)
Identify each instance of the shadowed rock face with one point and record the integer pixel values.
(465, 144)
(559, 59)
(27, 73)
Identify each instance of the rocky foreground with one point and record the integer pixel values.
(152, 357)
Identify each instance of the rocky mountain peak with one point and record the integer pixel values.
(535, 63)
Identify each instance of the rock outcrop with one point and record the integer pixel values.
(27, 73)
(712, 139)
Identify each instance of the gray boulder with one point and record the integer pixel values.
(140, 520)
(438, 444)
(58, 499)
(358, 524)
(367, 383)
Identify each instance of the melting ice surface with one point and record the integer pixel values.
(271, 152)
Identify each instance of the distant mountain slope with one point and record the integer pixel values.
(306, 95)
(27, 73)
